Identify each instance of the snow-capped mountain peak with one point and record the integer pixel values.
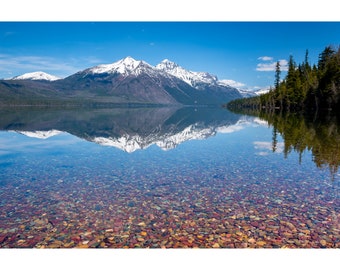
(38, 75)
(193, 78)
(166, 64)
(125, 66)
(127, 63)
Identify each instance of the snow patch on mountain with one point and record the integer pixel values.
(131, 143)
(38, 75)
(126, 143)
(126, 66)
(192, 132)
(193, 78)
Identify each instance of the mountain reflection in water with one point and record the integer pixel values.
(128, 129)
(131, 129)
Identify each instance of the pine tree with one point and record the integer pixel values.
(277, 75)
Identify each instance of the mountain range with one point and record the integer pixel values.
(127, 81)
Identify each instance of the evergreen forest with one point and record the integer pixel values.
(306, 87)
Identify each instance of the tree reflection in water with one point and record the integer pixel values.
(320, 135)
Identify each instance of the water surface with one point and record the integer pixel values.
(163, 177)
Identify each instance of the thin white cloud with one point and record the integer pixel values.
(8, 33)
(265, 67)
(240, 125)
(232, 83)
(91, 60)
(268, 146)
(34, 63)
(272, 66)
(283, 64)
(230, 129)
(18, 65)
(262, 153)
(261, 122)
(241, 86)
(265, 58)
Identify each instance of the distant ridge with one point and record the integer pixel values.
(38, 75)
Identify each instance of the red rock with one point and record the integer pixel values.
(3, 238)
(76, 238)
(254, 223)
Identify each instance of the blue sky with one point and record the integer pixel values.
(244, 52)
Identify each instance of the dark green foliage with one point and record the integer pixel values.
(277, 75)
(304, 87)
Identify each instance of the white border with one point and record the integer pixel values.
(174, 10)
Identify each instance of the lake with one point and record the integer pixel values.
(167, 177)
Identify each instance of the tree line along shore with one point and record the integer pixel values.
(306, 87)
